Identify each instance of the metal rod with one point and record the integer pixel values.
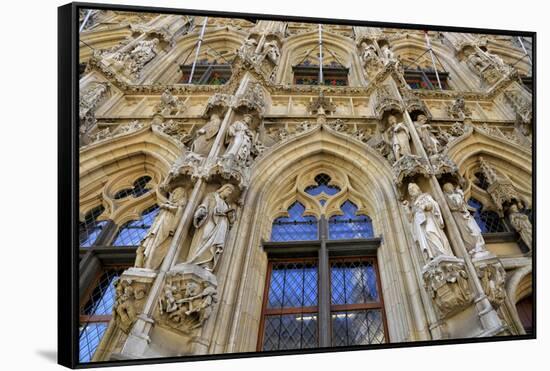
(433, 59)
(321, 80)
(198, 50)
(525, 50)
(85, 20)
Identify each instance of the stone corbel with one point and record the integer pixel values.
(492, 276)
(446, 281)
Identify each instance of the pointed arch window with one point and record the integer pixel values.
(132, 232)
(91, 228)
(349, 225)
(295, 227)
(307, 73)
(488, 221)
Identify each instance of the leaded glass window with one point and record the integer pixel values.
(295, 227)
(132, 232)
(350, 225)
(356, 306)
(290, 311)
(96, 313)
(139, 188)
(323, 186)
(488, 221)
(91, 228)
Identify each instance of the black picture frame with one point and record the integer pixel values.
(68, 182)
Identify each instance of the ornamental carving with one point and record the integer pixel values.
(372, 63)
(521, 223)
(410, 166)
(128, 302)
(176, 130)
(321, 105)
(169, 104)
(131, 62)
(90, 98)
(446, 281)
(492, 277)
(189, 296)
(501, 189)
(521, 104)
(458, 109)
(442, 164)
(385, 100)
(121, 130)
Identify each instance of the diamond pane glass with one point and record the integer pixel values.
(295, 227)
(139, 189)
(91, 228)
(488, 221)
(292, 284)
(353, 282)
(132, 232)
(361, 327)
(290, 331)
(350, 225)
(89, 338)
(323, 185)
(102, 298)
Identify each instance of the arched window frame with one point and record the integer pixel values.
(135, 230)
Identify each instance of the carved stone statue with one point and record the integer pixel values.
(369, 52)
(134, 61)
(272, 52)
(212, 221)
(400, 138)
(430, 142)
(427, 224)
(206, 135)
(153, 248)
(248, 49)
(240, 140)
(522, 225)
(387, 54)
(469, 230)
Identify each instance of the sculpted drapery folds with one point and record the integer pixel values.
(469, 230)
(212, 220)
(206, 135)
(240, 140)
(400, 138)
(153, 248)
(430, 142)
(522, 225)
(427, 224)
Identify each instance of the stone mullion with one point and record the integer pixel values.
(487, 314)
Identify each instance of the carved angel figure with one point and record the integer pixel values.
(212, 221)
(430, 142)
(205, 136)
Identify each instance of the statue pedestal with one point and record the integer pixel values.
(492, 276)
(446, 281)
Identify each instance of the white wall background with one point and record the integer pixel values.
(28, 151)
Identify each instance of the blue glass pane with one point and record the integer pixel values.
(353, 282)
(323, 185)
(350, 225)
(292, 284)
(91, 228)
(131, 233)
(90, 336)
(360, 327)
(488, 221)
(103, 297)
(295, 227)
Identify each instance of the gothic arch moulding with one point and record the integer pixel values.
(278, 179)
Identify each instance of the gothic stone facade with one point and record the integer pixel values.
(386, 186)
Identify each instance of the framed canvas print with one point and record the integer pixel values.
(236, 185)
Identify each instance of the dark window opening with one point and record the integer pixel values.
(426, 79)
(308, 74)
(525, 312)
(206, 74)
(481, 181)
(527, 81)
(139, 189)
(323, 185)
